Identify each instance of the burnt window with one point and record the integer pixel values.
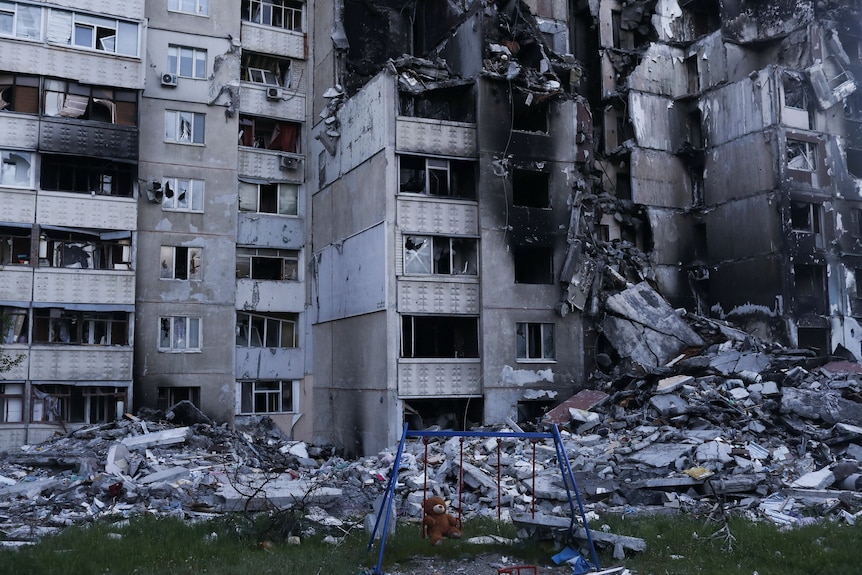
(803, 161)
(439, 336)
(529, 114)
(19, 93)
(436, 177)
(854, 162)
(534, 265)
(810, 288)
(181, 263)
(455, 104)
(95, 103)
(73, 404)
(805, 217)
(87, 175)
(530, 189)
(170, 396)
(55, 325)
(269, 134)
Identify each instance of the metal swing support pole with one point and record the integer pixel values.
(386, 504)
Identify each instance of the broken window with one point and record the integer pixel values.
(267, 264)
(528, 113)
(534, 265)
(11, 402)
(805, 217)
(437, 177)
(15, 169)
(187, 62)
(170, 396)
(181, 263)
(78, 404)
(810, 288)
(455, 104)
(56, 325)
(854, 162)
(20, 20)
(286, 14)
(534, 341)
(530, 189)
(85, 249)
(14, 245)
(94, 32)
(282, 199)
(802, 161)
(182, 195)
(856, 222)
(19, 93)
(184, 127)
(14, 327)
(200, 7)
(263, 69)
(267, 330)
(87, 175)
(73, 100)
(269, 134)
(852, 106)
(447, 413)
(440, 255)
(180, 333)
(269, 396)
(795, 95)
(439, 336)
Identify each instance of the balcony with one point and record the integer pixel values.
(87, 211)
(266, 295)
(19, 131)
(272, 40)
(438, 295)
(424, 135)
(17, 205)
(426, 378)
(77, 362)
(103, 139)
(273, 101)
(17, 284)
(72, 286)
(271, 165)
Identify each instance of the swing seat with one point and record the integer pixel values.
(518, 570)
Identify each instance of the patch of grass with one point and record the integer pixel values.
(233, 544)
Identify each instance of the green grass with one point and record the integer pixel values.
(151, 546)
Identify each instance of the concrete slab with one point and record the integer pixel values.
(585, 399)
(166, 437)
(255, 492)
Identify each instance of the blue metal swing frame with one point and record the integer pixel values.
(562, 459)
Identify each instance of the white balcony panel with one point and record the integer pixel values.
(87, 67)
(440, 296)
(17, 283)
(435, 216)
(262, 295)
(86, 211)
(428, 378)
(290, 106)
(435, 137)
(71, 363)
(17, 206)
(269, 363)
(125, 9)
(68, 286)
(19, 371)
(266, 164)
(269, 40)
(20, 131)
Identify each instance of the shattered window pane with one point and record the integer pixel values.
(795, 95)
(15, 168)
(184, 127)
(804, 217)
(417, 255)
(801, 156)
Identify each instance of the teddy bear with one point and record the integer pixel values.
(437, 523)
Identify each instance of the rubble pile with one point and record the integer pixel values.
(774, 432)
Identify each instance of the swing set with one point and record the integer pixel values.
(385, 510)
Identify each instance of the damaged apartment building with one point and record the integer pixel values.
(352, 215)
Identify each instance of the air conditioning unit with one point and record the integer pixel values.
(273, 93)
(169, 80)
(288, 163)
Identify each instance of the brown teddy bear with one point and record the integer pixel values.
(437, 523)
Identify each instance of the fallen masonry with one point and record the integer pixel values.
(736, 424)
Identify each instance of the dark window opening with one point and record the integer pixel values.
(452, 414)
(533, 411)
(85, 249)
(269, 134)
(814, 338)
(55, 325)
(19, 93)
(440, 255)
(437, 177)
(700, 242)
(96, 103)
(856, 218)
(170, 396)
(623, 184)
(530, 189)
(705, 17)
(805, 217)
(456, 104)
(854, 162)
(795, 95)
(267, 70)
(692, 74)
(810, 288)
(267, 264)
(439, 336)
(72, 404)
(14, 325)
(267, 396)
(14, 246)
(534, 265)
(529, 115)
(852, 107)
(535, 341)
(87, 175)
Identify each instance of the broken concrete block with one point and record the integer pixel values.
(820, 479)
(116, 462)
(669, 405)
(827, 405)
(713, 451)
(165, 475)
(585, 399)
(166, 437)
(673, 383)
(661, 455)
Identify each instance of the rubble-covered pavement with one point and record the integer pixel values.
(775, 433)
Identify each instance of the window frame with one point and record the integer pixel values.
(97, 40)
(252, 254)
(201, 7)
(16, 19)
(183, 263)
(246, 190)
(530, 334)
(73, 404)
(177, 58)
(248, 392)
(293, 9)
(174, 128)
(441, 245)
(187, 322)
(252, 323)
(11, 400)
(81, 327)
(5, 159)
(17, 326)
(173, 188)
